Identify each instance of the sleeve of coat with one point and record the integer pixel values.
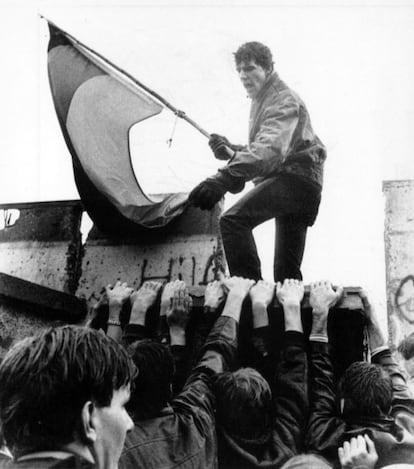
(325, 428)
(291, 400)
(217, 355)
(402, 398)
(271, 143)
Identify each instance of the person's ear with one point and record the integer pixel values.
(88, 422)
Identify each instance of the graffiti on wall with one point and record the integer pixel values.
(402, 327)
(404, 299)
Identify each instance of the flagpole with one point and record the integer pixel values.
(151, 92)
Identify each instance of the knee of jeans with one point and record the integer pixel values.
(225, 222)
(231, 223)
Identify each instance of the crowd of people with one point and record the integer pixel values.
(133, 396)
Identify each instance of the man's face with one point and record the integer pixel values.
(252, 76)
(112, 424)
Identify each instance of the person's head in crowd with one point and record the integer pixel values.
(365, 389)
(307, 461)
(243, 403)
(65, 389)
(406, 351)
(152, 386)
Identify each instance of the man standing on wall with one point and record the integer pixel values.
(284, 159)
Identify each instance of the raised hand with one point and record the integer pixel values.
(178, 315)
(290, 292)
(221, 147)
(238, 289)
(214, 294)
(323, 296)
(290, 295)
(262, 293)
(179, 312)
(375, 333)
(119, 293)
(240, 286)
(143, 298)
(168, 293)
(360, 452)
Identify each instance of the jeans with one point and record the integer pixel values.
(293, 204)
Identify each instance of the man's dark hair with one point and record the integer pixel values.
(244, 403)
(406, 347)
(367, 389)
(152, 387)
(45, 380)
(257, 52)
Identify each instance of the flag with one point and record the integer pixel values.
(96, 105)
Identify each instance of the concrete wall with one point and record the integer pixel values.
(44, 244)
(189, 250)
(399, 255)
(44, 247)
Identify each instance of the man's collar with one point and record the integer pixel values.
(272, 79)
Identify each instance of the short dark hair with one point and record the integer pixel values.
(406, 347)
(243, 403)
(306, 461)
(45, 380)
(255, 51)
(368, 389)
(152, 387)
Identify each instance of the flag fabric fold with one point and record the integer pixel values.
(96, 107)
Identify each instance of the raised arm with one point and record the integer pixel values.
(214, 296)
(403, 401)
(166, 302)
(217, 355)
(178, 315)
(291, 377)
(261, 296)
(325, 428)
(117, 296)
(141, 301)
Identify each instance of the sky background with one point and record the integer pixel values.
(352, 64)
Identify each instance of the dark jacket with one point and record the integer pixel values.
(281, 139)
(290, 400)
(393, 435)
(183, 435)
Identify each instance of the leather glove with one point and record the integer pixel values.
(210, 191)
(221, 147)
(206, 194)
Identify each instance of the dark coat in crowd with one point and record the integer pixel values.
(393, 435)
(183, 435)
(290, 401)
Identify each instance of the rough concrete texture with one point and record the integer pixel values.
(17, 323)
(44, 245)
(399, 256)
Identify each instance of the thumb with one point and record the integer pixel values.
(221, 276)
(339, 292)
(370, 445)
